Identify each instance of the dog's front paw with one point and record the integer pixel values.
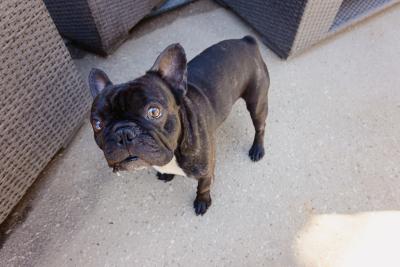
(165, 177)
(256, 152)
(201, 204)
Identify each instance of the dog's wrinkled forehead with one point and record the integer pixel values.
(133, 96)
(165, 82)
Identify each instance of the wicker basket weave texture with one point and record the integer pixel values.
(100, 25)
(351, 9)
(75, 23)
(316, 20)
(277, 21)
(43, 98)
(289, 27)
(323, 19)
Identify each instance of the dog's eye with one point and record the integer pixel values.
(153, 113)
(97, 125)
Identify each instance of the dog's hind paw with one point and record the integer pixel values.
(165, 177)
(201, 205)
(256, 152)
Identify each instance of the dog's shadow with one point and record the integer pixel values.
(235, 135)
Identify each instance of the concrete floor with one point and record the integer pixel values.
(326, 194)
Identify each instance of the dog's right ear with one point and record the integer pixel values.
(171, 66)
(98, 80)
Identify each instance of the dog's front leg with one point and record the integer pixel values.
(203, 198)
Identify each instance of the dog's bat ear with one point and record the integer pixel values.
(171, 66)
(98, 80)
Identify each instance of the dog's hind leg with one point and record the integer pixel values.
(256, 98)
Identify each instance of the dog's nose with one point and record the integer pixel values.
(125, 136)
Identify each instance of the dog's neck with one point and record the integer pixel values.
(190, 121)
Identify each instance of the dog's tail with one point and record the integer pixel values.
(250, 39)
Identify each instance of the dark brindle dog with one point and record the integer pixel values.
(167, 118)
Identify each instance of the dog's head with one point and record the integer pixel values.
(137, 124)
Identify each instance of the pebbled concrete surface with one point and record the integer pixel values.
(326, 194)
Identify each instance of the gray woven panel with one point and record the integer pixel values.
(317, 18)
(351, 9)
(321, 20)
(277, 21)
(100, 25)
(74, 21)
(43, 99)
(289, 27)
(114, 19)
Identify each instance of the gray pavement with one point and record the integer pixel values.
(326, 193)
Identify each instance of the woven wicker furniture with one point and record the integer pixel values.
(98, 25)
(289, 27)
(43, 99)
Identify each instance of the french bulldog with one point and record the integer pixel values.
(168, 117)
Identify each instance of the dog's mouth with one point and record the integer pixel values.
(130, 159)
(130, 163)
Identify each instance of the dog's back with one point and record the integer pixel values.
(232, 65)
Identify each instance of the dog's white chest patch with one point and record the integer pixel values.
(171, 167)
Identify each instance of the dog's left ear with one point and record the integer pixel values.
(171, 66)
(98, 80)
